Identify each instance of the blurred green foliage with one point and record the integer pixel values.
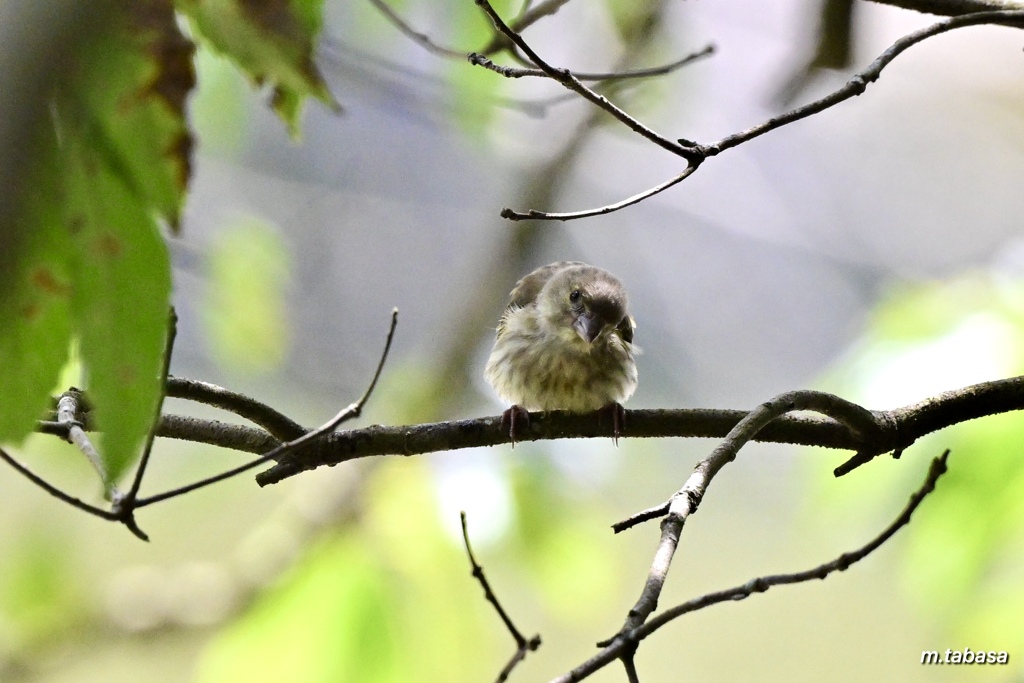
(963, 557)
(41, 600)
(384, 602)
(245, 315)
(217, 108)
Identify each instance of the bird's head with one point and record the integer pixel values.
(587, 301)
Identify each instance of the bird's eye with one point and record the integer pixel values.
(575, 296)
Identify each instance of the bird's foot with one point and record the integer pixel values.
(618, 415)
(515, 415)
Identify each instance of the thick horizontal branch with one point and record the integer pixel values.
(897, 429)
(952, 8)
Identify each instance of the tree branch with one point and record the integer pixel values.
(695, 153)
(351, 411)
(68, 410)
(53, 490)
(523, 646)
(479, 59)
(513, 215)
(567, 79)
(952, 8)
(623, 644)
(897, 429)
(858, 84)
(421, 39)
(684, 502)
(279, 425)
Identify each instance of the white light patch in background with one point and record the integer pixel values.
(587, 463)
(473, 480)
(982, 348)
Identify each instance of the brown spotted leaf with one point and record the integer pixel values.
(109, 162)
(273, 41)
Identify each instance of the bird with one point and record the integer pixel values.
(564, 342)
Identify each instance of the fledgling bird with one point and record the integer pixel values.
(565, 342)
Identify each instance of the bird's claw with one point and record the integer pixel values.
(515, 415)
(618, 414)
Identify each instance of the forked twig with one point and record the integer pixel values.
(625, 643)
(523, 645)
(351, 411)
(694, 153)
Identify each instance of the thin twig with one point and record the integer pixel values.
(53, 490)
(567, 79)
(478, 59)
(421, 39)
(350, 411)
(619, 646)
(858, 84)
(860, 421)
(528, 17)
(601, 210)
(696, 153)
(522, 644)
(951, 7)
(140, 471)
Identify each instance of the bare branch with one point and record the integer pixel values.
(529, 17)
(351, 411)
(601, 210)
(858, 84)
(522, 644)
(567, 79)
(478, 59)
(53, 490)
(281, 426)
(695, 153)
(685, 501)
(68, 408)
(952, 8)
(867, 426)
(898, 429)
(625, 643)
(419, 38)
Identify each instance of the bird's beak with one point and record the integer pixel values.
(588, 326)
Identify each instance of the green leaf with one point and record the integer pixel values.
(218, 107)
(35, 324)
(271, 40)
(125, 148)
(129, 100)
(122, 277)
(111, 158)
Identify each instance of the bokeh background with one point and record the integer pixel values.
(874, 250)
